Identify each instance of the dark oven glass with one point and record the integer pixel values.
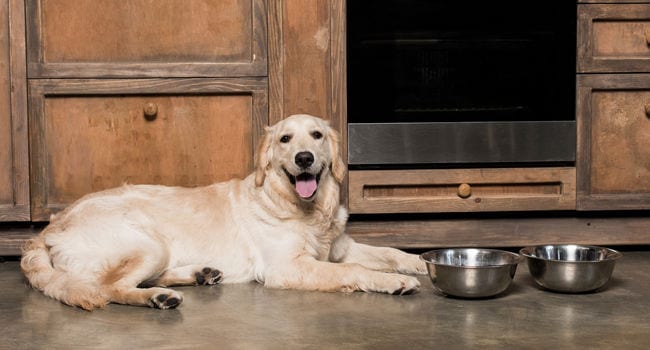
(441, 61)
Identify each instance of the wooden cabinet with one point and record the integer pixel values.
(173, 93)
(613, 110)
(178, 92)
(14, 177)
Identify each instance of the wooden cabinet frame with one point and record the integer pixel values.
(19, 209)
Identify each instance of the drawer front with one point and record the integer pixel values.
(614, 142)
(91, 38)
(466, 190)
(614, 38)
(89, 142)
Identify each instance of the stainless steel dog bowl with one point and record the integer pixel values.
(570, 268)
(470, 272)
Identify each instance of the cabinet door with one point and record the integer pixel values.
(613, 157)
(89, 135)
(14, 181)
(146, 38)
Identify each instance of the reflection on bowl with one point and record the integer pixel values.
(471, 272)
(570, 268)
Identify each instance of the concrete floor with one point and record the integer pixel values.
(249, 316)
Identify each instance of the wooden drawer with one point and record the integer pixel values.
(146, 38)
(462, 190)
(613, 141)
(613, 38)
(90, 135)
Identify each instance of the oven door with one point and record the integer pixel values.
(479, 143)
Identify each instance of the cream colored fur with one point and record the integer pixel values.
(125, 245)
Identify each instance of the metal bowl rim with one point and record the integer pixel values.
(518, 258)
(610, 256)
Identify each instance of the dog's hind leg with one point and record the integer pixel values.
(120, 281)
(190, 275)
(161, 298)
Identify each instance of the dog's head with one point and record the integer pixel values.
(302, 150)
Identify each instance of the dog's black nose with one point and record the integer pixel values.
(304, 159)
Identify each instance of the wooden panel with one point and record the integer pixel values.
(6, 157)
(427, 191)
(14, 178)
(614, 38)
(464, 232)
(87, 141)
(307, 59)
(306, 39)
(502, 231)
(614, 142)
(87, 38)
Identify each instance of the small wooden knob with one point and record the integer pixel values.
(150, 110)
(647, 110)
(647, 37)
(464, 190)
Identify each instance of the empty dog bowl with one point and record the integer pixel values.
(471, 272)
(570, 268)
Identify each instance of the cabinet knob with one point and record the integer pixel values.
(647, 110)
(647, 37)
(464, 190)
(150, 111)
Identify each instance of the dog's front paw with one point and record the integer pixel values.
(168, 300)
(397, 285)
(208, 276)
(409, 285)
(412, 265)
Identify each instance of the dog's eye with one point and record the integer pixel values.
(316, 135)
(285, 138)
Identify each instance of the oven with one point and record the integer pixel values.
(443, 83)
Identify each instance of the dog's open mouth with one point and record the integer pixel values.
(306, 184)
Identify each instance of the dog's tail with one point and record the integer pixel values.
(36, 264)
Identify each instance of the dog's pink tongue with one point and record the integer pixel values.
(306, 187)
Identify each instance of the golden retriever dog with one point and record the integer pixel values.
(282, 226)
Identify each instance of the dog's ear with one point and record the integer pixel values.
(338, 167)
(263, 156)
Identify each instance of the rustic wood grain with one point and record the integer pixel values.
(613, 142)
(276, 61)
(88, 135)
(426, 191)
(502, 232)
(146, 38)
(339, 92)
(12, 239)
(14, 171)
(6, 156)
(612, 38)
(306, 57)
